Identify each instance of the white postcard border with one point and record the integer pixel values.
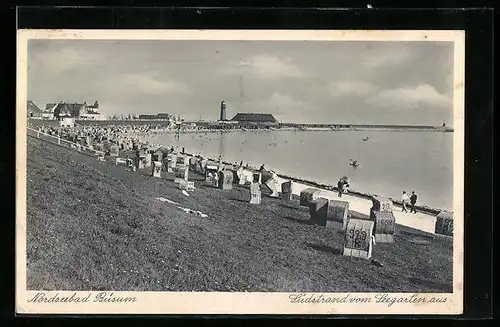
(245, 303)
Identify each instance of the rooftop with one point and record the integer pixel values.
(255, 117)
(32, 107)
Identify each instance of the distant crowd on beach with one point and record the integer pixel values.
(91, 134)
(115, 134)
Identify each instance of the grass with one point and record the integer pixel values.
(95, 226)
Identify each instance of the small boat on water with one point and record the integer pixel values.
(354, 163)
(366, 138)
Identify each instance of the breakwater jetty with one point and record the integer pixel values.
(356, 127)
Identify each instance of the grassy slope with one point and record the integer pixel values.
(95, 226)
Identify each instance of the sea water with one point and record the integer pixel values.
(390, 162)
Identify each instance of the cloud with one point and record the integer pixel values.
(278, 100)
(282, 106)
(351, 88)
(392, 55)
(134, 84)
(414, 97)
(56, 60)
(148, 83)
(264, 66)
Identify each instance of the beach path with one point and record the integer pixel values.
(421, 221)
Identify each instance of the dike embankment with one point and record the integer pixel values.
(93, 225)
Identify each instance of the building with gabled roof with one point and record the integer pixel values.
(254, 118)
(92, 108)
(50, 107)
(32, 110)
(73, 110)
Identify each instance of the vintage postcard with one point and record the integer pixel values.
(285, 172)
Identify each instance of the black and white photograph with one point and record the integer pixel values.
(240, 171)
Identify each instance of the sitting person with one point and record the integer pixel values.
(216, 180)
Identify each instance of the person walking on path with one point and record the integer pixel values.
(413, 201)
(340, 187)
(404, 200)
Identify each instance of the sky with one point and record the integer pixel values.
(297, 81)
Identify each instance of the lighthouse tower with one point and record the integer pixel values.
(222, 110)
